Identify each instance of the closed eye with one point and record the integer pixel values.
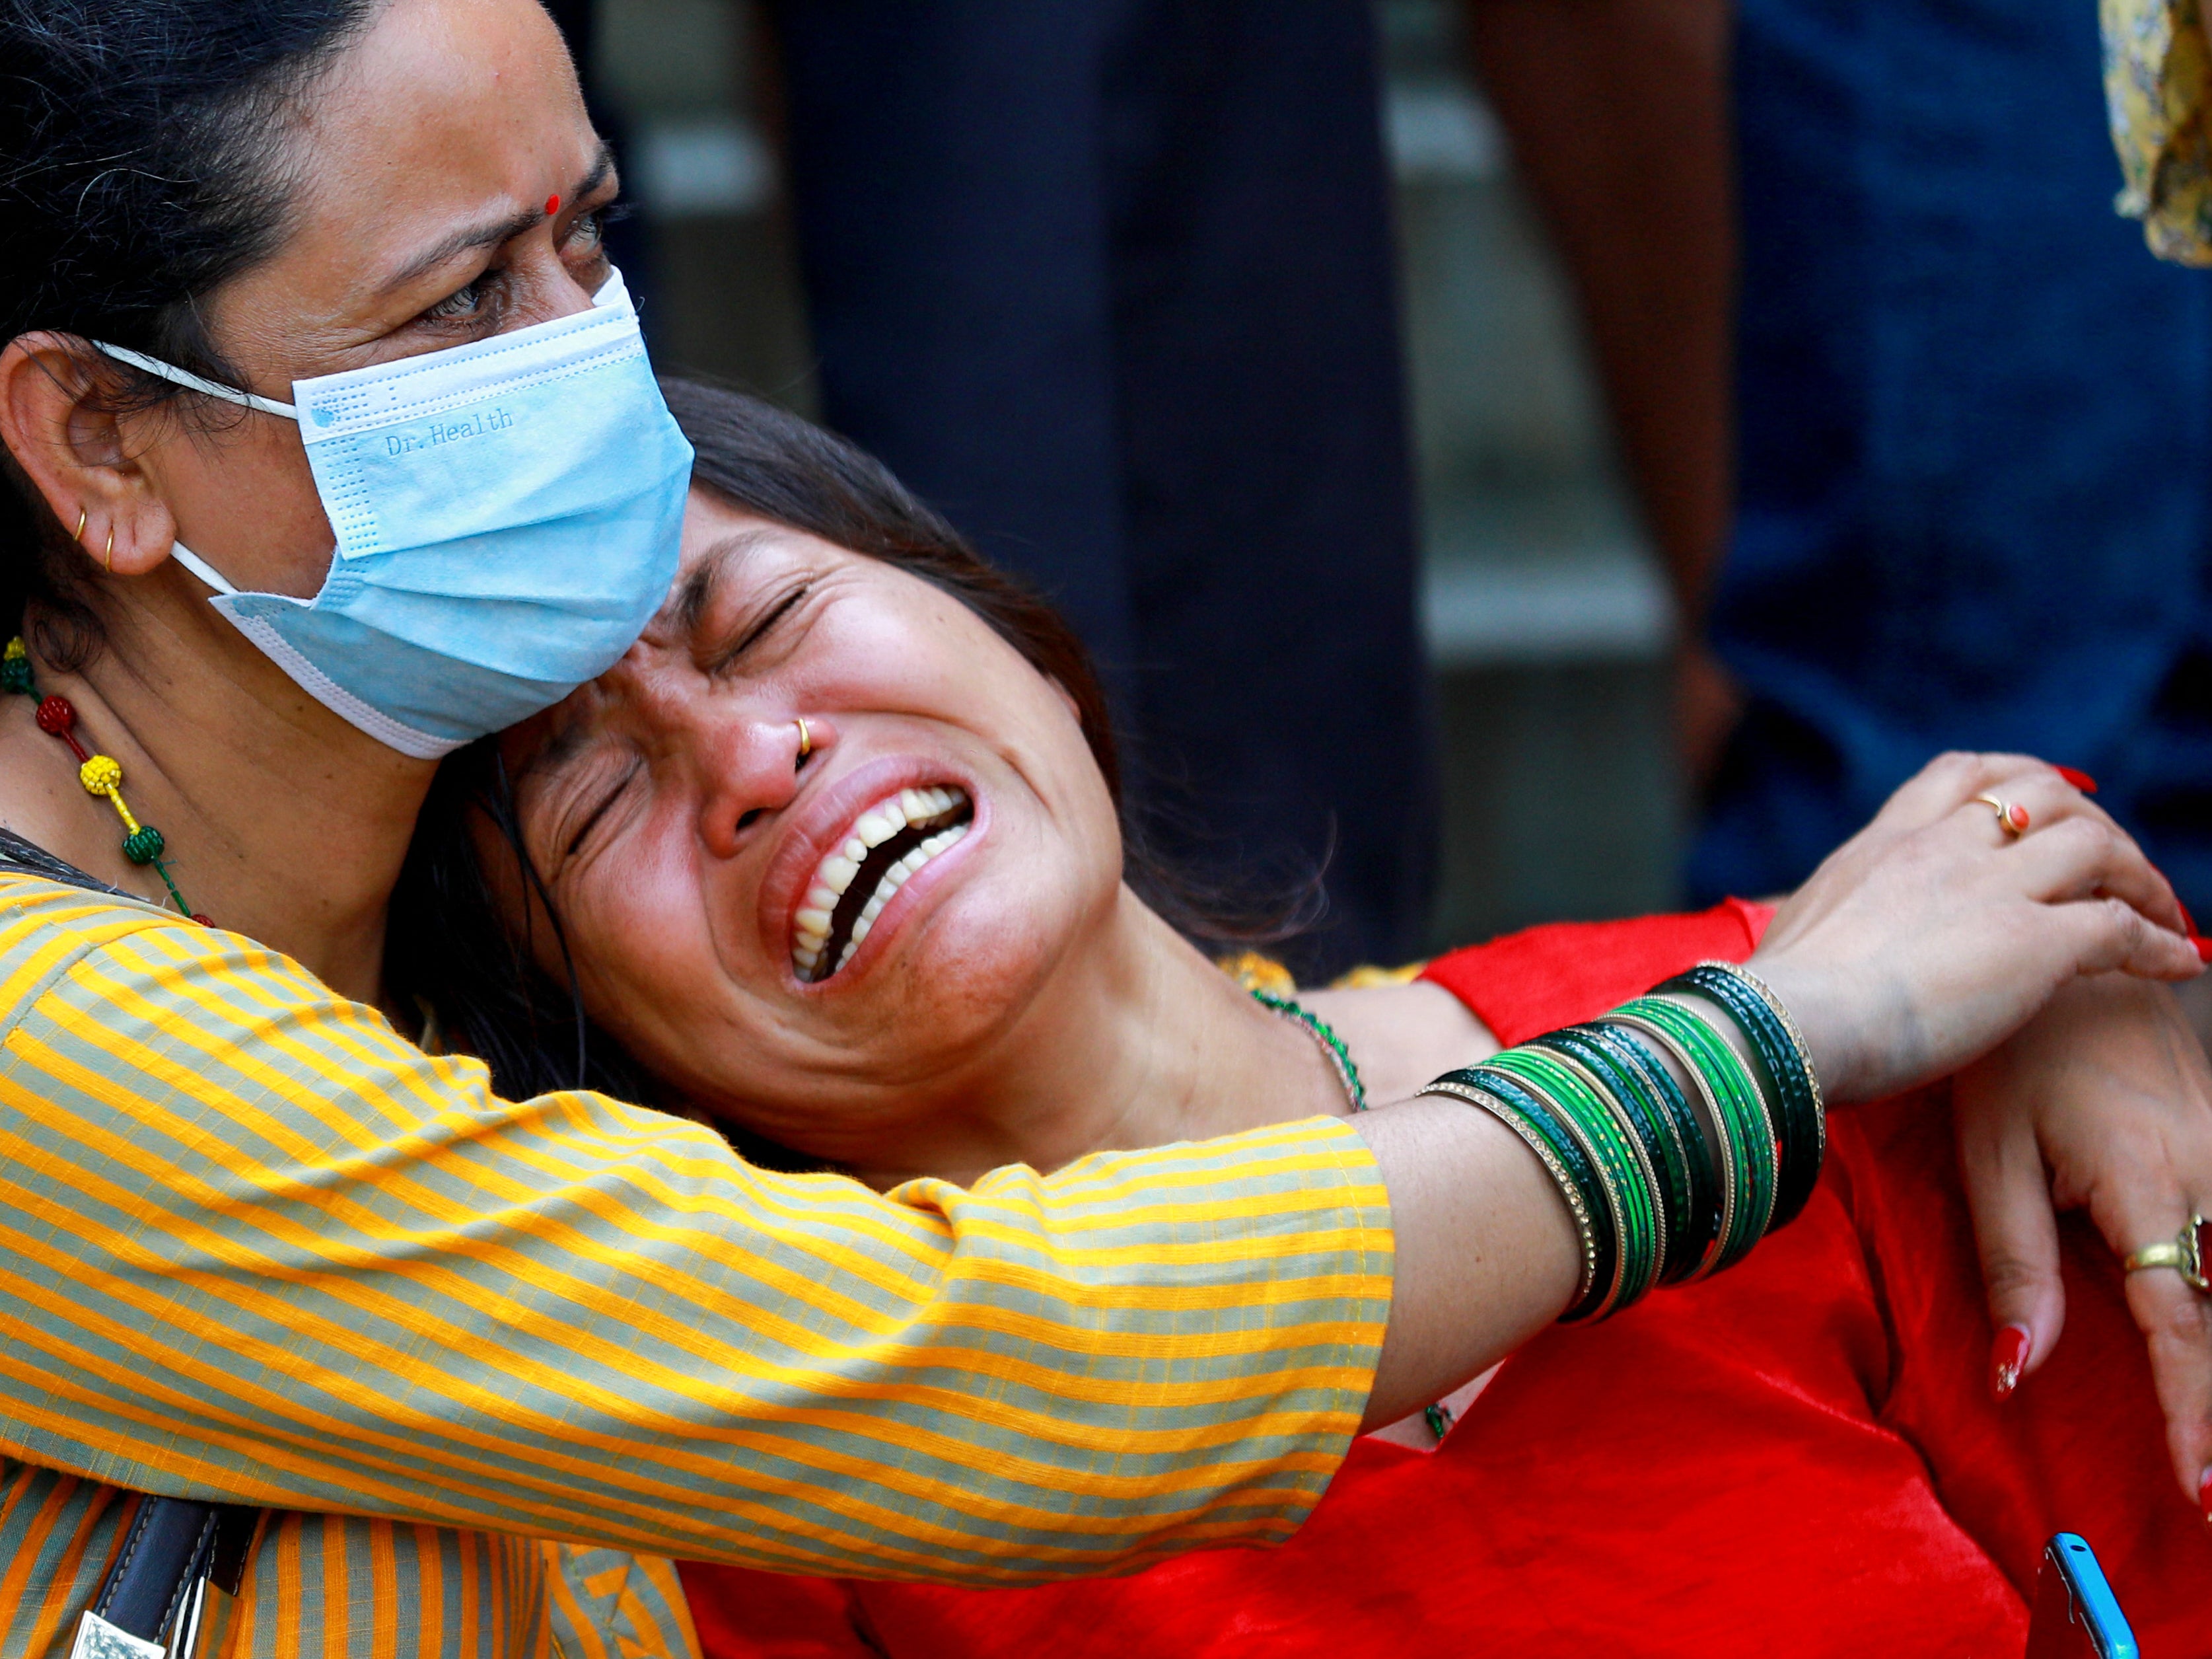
(606, 803)
(722, 662)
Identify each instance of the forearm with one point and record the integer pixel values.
(1618, 114)
(254, 1247)
(670, 1355)
(1488, 1253)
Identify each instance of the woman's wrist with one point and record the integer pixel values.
(1679, 1130)
(1831, 1043)
(1758, 1024)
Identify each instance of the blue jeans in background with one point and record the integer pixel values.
(1976, 456)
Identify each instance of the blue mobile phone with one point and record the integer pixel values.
(2076, 1614)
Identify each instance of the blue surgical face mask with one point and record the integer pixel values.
(508, 514)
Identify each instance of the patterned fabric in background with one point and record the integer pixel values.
(2158, 67)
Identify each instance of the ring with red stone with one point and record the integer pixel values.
(2012, 817)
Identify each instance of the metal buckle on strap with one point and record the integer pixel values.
(159, 1582)
(98, 1639)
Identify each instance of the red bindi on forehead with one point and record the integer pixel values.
(552, 205)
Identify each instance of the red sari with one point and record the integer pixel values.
(1800, 1457)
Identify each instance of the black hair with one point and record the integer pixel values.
(450, 948)
(143, 163)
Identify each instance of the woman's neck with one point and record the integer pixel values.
(1142, 1041)
(281, 821)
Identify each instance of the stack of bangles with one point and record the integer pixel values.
(1675, 1155)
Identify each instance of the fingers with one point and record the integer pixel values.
(1939, 791)
(2176, 1321)
(2068, 844)
(2110, 935)
(2083, 855)
(2149, 1206)
(2016, 1234)
(2040, 798)
(1949, 781)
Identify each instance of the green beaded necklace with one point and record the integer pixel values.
(1331, 1044)
(1438, 1416)
(100, 774)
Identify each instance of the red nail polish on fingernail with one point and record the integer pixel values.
(2204, 1495)
(2204, 948)
(2079, 780)
(2187, 920)
(2008, 1355)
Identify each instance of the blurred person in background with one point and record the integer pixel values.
(1617, 111)
(1064, 264)
(1974, 452)
(1976, 460)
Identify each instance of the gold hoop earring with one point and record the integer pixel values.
(806, 740)
(82, 514)
(107, 559)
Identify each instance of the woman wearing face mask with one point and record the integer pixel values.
(312, 377)
(329, 445)
(833, 856)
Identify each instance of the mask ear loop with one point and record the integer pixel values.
(192, 382)
(200, 568)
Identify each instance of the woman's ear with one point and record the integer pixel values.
(72, 450)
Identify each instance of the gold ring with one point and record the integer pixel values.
(2181, 1253)
(806, 740)
(2012, 817)
(82, 514)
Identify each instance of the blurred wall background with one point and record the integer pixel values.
(1547, 619)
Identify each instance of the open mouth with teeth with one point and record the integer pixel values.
(889, 843)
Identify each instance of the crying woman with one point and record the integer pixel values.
(832, 858)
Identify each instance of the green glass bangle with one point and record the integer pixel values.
(1692, 1132)
(1801, 1122)
(1745, 1120)
(1532, 1120)
(1648, 1197)
(1628, 1179)
(1756, 1113)
(1657, 1111)
(1722, 1152)
(1744, 1115)
(1602, 1193)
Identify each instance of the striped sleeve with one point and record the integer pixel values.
(254, 1245)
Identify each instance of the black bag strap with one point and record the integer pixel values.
(172, 1544)
(31, 859)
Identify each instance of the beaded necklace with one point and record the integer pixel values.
(1331, 1044)
(100, 774)
(1438, 1416)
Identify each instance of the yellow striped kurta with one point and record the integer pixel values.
(255, 1247)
